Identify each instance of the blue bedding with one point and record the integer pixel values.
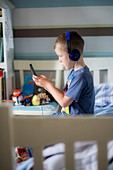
(104, 99)
(103, 110)
(26, 165)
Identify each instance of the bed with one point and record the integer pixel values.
(87, 141)
(81, 143)
(101, 68)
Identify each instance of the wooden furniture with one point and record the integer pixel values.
(37, 132)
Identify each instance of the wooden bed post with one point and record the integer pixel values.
(7, 159)
(102, 155)
(69, 156)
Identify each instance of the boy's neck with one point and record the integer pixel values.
(79, 64)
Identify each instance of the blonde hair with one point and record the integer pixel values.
(76, 41)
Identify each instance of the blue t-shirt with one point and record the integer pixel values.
(80, 88)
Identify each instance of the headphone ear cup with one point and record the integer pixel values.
(74, 55)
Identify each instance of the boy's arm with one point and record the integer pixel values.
(58, 94)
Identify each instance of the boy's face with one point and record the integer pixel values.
(64, 57)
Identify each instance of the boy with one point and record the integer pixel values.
(78, 94)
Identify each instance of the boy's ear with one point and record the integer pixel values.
(74, 54)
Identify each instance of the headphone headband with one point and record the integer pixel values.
(68, 36)
(73, 54)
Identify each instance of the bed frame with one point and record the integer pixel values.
(99, 65)
(96, 65)
(38, 132)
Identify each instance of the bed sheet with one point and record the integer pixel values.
(26, 165)
(103, 110)
(104, 95)
(104, 99)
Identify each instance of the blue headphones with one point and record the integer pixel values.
(74, 54)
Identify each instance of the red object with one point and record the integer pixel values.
(1, 73)
(23, 153)
(16, 93)
(27, 97)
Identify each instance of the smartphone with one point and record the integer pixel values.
(32, 70)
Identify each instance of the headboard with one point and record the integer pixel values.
(102, 69)
(41, 65)
(99, 65)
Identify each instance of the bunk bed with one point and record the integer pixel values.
(84, 142)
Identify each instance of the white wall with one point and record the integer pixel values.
(96, 16)
(63, 16)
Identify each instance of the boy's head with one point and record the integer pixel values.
(72, 43)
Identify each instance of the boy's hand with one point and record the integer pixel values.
(41, 80)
